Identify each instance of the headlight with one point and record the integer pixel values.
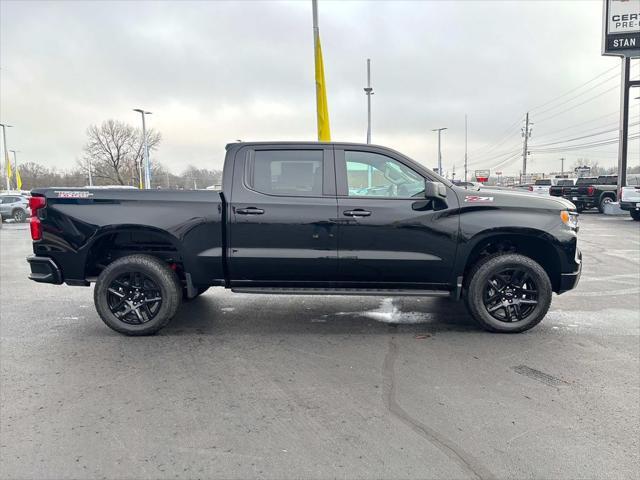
(570, 219)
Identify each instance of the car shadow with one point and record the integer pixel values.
(232, 314)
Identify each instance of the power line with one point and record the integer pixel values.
(577, 105)
(608, 141)
(576, 96)
(576, 88)
(583, 136)
(615, 112)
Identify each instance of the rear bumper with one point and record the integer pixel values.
(628, 206)
(569, 281)
(44, 270)
(581, 200)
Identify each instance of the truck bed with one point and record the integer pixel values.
(185, 225)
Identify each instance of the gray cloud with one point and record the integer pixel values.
(213, 72)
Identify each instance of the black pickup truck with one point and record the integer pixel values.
(308, 218)
(590, 192)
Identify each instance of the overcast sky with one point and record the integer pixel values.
(213, 72)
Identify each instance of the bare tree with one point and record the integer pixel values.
(114, 151)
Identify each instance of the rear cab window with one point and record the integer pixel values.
(285, 172)
(544, 183)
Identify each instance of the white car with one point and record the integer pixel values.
(630, 196)
(543, 186)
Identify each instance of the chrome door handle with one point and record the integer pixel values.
(358, 212)
(249, 211)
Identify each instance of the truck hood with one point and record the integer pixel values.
(502, 198)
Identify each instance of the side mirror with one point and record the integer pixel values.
(434, 190)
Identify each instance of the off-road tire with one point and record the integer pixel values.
(166, 280)
(479, 276)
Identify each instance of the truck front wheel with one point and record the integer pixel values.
(137, 295)
(508, 293)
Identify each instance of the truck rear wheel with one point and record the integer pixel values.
(604, 201)
(137, 295)
(635, 214)
(508, 293)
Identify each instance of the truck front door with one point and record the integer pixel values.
(389, 235)
(282, 217)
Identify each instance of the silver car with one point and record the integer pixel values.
(14, 206)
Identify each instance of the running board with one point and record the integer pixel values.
(387, 292)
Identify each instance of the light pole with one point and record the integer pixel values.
(6, 153)
(147, 168)
(15, 168)
(368, 90)
(439, 130)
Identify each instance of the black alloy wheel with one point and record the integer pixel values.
(507, 292)
(137, 294)
(134, 298)
(510, 295)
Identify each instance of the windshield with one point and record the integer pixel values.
(543, 182)
(565, 183)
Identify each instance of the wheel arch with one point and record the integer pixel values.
(535, 244)
(116, 241)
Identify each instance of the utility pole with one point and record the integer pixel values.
(465, 147)
(526, 133)
(6, 153)
(147, 167)
(562, 166)
(439, 130)
(368, 90)
(625, 87)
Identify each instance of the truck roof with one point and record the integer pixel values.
(303, 142)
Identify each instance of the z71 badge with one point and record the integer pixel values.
(73, 194)
(477, 199)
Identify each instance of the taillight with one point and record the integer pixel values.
(35, 204)
(530, 188)
(590, 191)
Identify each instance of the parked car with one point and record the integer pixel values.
(630, 196)
(541, 186)
(14, 206)
(308, 218)
(558, 189)
(589, 193)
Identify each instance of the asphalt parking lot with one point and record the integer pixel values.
(245, 386)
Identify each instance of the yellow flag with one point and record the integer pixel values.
(18, 180)
(9, 171)
(324, 133)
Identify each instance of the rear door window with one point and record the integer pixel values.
(286, 172)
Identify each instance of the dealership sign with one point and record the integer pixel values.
(621, 28)
(482, 175)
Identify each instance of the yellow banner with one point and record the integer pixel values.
(18, 180)
(324, 133)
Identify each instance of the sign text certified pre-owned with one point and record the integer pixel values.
(621, 28)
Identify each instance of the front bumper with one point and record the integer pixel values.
(44, 270)
(569, 281)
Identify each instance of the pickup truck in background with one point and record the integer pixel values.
(589, 193)
(562, 183)
(308, 218)
(630, 196)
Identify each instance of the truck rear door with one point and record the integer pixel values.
(282, 228)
